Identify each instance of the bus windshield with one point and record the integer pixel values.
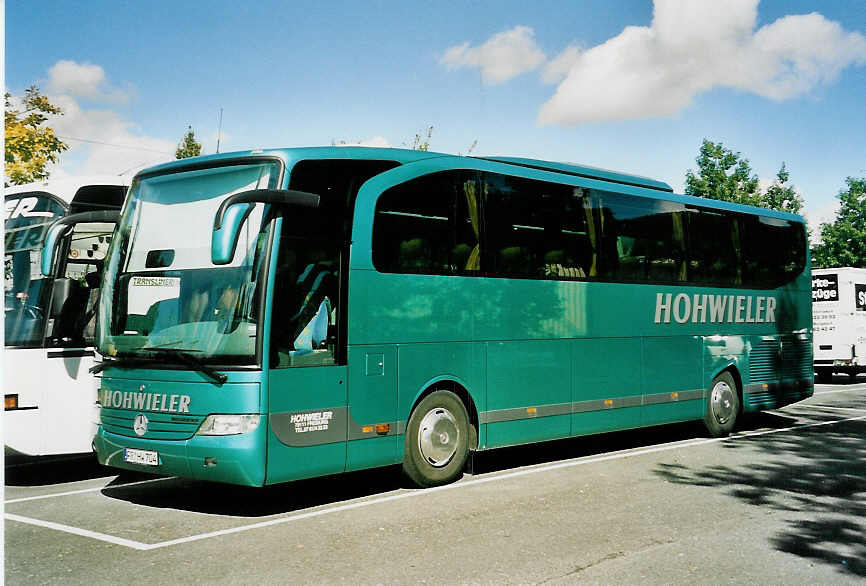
(163, 294)
(25, 295)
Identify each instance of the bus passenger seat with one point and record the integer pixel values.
(460, 257)
(513, 261)
(415, 256)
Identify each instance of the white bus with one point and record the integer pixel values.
(49, 395)
(839, 321)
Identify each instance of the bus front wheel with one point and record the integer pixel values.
(436, 443)
(723, 406)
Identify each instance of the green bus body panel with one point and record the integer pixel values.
(594, 381)
(372, 402)
(528, 376)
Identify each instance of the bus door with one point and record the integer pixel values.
(307, 412)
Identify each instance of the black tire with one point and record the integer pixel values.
(723, 406)
(436, 443)
(824, 375)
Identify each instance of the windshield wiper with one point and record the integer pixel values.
(191, 360)
(116, 363)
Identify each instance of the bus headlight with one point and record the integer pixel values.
(228, 424)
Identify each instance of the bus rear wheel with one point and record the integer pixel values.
(723, 406)
(436, 443)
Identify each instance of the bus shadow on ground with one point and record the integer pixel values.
(240, 501)
(52, 470)
(818, 473)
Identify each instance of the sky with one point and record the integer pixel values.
(630, 85)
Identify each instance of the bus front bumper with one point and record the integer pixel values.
(233, 459)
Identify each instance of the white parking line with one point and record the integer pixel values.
(77, 531)
(416, 493)
(83, 491)
(839, 391)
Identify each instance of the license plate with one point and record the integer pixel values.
(146, 457)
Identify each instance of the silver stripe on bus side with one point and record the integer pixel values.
(313, 428)
(520, 413)
(673, 397)
(763, 387)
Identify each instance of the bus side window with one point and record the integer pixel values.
(535, 229)
(429, 225)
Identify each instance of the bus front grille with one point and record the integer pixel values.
(160, 426)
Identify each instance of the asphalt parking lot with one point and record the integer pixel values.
(782, 501)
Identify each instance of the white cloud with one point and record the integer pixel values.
(558, 67)
(691, 47)
(84, 80)
(823, 215)
(101, 140)
(505, 55)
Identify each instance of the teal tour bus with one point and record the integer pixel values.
(273, 315)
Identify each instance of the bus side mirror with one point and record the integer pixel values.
(55, 233)
(225, 238)
(234, 210)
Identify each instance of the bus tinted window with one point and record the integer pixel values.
(540, 230)
(648, 236)
(533, 229)
(429, 225)
(774, 250)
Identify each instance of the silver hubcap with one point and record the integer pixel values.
(722, 402)
(437, 437)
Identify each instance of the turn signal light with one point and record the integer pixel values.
(608, 402)
(383, 428)
(10, 402)
(367, 429)
(531, 410)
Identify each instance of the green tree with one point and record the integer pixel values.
(189, 146)
(723, 174)
(843, 241)
(782, 197)
(30, 144)
(726, 175)
(421, 142)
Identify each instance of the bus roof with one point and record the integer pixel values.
(404, 156)
(584, 171)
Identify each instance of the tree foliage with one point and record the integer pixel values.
(723, 174)
(843, 241)
(726, 175)
(421, 142)
(30, 145)
(782, 197)
(189, 146)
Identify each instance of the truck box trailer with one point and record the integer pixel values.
(839, 321)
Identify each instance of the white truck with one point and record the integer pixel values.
(839, 321)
